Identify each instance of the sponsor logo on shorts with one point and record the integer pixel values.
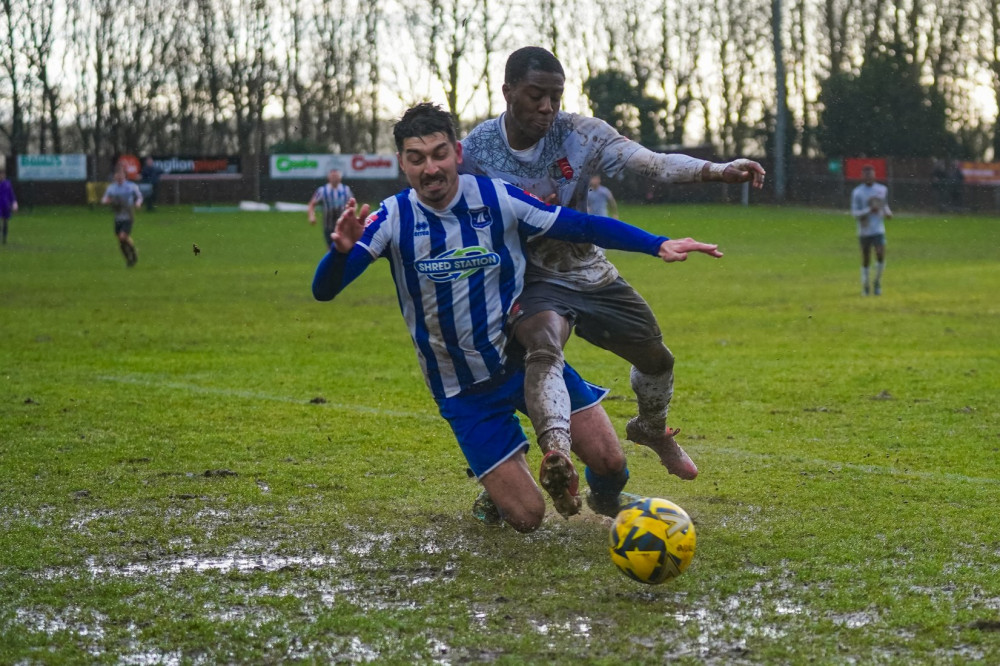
(457, 264)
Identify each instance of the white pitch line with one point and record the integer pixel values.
(155, 382)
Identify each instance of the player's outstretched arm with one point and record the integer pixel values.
(677, 249)
(350, 226)
(738, 171)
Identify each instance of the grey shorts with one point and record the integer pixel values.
(875, 240)
(613, 314)
(123, 225)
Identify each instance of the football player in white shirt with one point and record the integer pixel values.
(870, 207)
(456, 247)
(553, 154)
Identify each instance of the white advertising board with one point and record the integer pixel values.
(52, 167)
(317, 166)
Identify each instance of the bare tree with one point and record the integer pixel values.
(679, 54)
(741, 30)
(38, 47)
(15, 72)
(447, 34)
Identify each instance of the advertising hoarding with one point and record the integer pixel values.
(317, 166)
(52, 167)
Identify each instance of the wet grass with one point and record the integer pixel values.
(199, 464)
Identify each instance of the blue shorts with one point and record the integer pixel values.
(484, 422)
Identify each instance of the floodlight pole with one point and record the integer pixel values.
(781, 112)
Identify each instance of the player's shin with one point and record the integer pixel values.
(653, 394)
(547, 398)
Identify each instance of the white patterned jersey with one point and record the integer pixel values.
(869, 204)
(561, 163)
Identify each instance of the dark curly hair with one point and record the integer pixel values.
(423, 119)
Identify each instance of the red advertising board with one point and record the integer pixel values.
(853, 166)
(980, 173)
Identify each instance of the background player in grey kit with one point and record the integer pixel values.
(870, 207)
(600, 200)
(553, 154)
(124, 197)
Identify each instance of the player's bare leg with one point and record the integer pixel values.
(512, 489)
(543, 336)
(596, 444)
(128, 249)
(879, 268)
(652, 379)
(866, 259)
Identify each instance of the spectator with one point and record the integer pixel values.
(150, 175)
(8, 202)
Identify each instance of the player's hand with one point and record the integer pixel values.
(350, 226)
(677, 249)
(312, 218)
(744, 171)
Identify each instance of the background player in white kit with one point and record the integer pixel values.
(124, 198)
(870, 207)
(456, 246)
(553, 154)
(600, 200)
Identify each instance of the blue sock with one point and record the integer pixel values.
(608, 486)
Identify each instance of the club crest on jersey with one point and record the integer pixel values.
(481, 217)
(561, 168)
(457, 264)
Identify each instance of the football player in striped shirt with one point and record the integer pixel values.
(553, 154)
(456, 248)
(333, 197)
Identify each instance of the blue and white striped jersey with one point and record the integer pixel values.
(333, 198)
(457, 272)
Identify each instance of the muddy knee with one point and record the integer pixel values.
(525, 517)
(654, 360)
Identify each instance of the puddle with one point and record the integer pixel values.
(854, 620)
(223, 564)
(69, 621)
(579, 627)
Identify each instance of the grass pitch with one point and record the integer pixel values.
(200, 464)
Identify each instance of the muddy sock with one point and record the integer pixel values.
(653, 393)
(556, 439)
(545, 392)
